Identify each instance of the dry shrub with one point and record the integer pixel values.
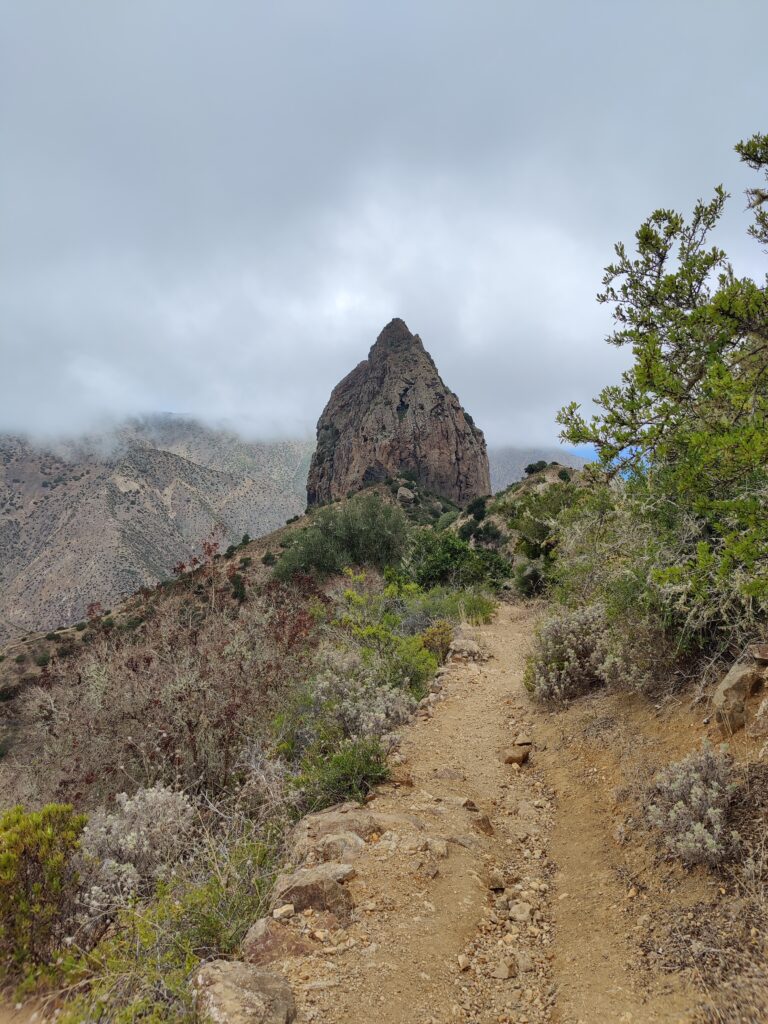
(689, 804)
(570, 655)
(176, 706)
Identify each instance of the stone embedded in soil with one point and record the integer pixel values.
(267, 941)
(516, 755)
(231, 992)
(317, 888)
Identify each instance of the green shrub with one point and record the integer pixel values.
(269, 558)
(443, 559)
(348, 774)
(467, 530)
(447, 519)
(437, 639)
(477, 509)
(363, 531)
(42, 659)
(51, 636)
(238, 587)
(20, 659)
(564, 474)
(82, 625)
(38, 884)
(535, 467)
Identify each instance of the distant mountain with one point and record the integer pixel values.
(508, 462)
(97, 518)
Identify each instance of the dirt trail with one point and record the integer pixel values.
(497, 894)
(433, 941)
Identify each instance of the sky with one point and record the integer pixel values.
(212, 207)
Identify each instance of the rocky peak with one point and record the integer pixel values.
(393, 414)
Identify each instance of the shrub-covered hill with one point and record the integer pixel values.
(152, 762)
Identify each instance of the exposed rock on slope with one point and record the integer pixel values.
(393, 414)
(96, 519)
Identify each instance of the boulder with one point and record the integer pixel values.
(319, 888)
(267, 941)
(405, 496)
(231, 992)
(347, 818)
(516, 755)
(464, 649)
(339, 846)
(729, 699)
(393, 413)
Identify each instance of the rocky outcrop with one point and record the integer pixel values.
(392, 415)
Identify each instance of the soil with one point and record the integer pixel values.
(431, 940)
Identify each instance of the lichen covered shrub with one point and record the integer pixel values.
(127, 851)
(570, 656)
(688, 805)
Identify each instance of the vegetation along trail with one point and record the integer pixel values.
(486, 897)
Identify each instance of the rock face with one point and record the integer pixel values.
(393, 414)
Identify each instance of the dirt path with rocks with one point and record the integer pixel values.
(469, 889)
(489, 897)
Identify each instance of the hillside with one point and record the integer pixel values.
(98, 518)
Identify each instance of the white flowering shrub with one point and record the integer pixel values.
(350, 692)
(689, 803)
(124, 852)
(571, 655)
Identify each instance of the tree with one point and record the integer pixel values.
(689, 420)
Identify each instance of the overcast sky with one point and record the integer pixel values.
(213, 206)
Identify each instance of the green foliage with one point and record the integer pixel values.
(686, 430)
(437, 639)
(42, 659)
(477, 508)
(364, 531)
(447, 519)
(20, 659)
(269, 558)
(51, 636)
(350, 773)
(400, 660)
(535, 467)
(38, 884)
(564, 474)
(141, 969)
(444, 559)
(467, 530)
(237, 583)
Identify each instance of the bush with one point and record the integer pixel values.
(535, 467)
(344, 701)
(564, 475)
(689, 803)
(443, 559)
(364, 531)
(42, 659)
(437, 639)
(126, 852)
(348, 774)
(571, 655)
(269, 558)
(38, 884)
(140, 970)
